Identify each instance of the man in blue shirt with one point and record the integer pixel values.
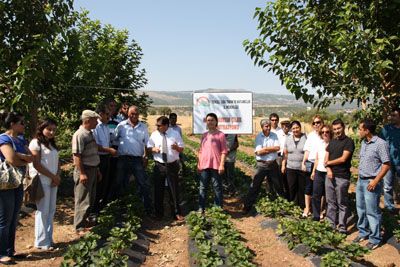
(132, 137)
(266, 150)
(391, 134)
(102, 136)
(374, 164)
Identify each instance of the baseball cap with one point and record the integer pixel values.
(87, 114)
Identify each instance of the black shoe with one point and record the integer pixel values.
(20, 256)
(358, 239)
(371, 246)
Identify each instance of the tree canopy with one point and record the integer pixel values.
(54, 60)
(332, 50)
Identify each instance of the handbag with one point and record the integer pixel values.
(33, 186)
(34, 189)
(10, 176)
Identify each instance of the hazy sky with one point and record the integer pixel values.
(190, 45)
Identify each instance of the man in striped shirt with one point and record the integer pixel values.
(374, 164)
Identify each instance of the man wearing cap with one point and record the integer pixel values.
(132, 137)
(86, 172)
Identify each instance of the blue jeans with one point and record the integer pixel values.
(368, 211)
(46, 208)
(128, 165)
(216, 180)
(318, 193)
(10, 204)
(389, 181)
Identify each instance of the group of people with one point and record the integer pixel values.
(314, 169)
(40, 156)
(108, 150)
(111, 145)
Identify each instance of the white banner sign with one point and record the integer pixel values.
(234, 112)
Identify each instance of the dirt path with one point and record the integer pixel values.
(64, 235)
(168, 244)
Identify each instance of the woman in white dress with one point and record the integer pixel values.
(46, 165)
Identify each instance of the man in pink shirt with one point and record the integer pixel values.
(211, 162)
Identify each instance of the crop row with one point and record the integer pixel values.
(103, 246)
(317, 236)
(212, 230)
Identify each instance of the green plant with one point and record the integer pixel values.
(315, 235)
(277, 208)
(334, 259)
(81, 254)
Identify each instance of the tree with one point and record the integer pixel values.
(56, 61)
(36, 38)
(108, 66)
(340, 49)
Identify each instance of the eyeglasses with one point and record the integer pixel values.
(325, 132)
(316, 122)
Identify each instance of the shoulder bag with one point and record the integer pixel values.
(10, 176)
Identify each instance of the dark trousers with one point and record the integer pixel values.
(112, 173)
(283, 178)
(229, 176)
(162, 172)
(10, 204)
(297, 183)
(128, 165)
(318, 193)
(103, 187)
(269, 170)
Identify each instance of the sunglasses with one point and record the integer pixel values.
(325, 132)
(273, 119)
(316, 122)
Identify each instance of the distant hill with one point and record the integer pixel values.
(184, 98)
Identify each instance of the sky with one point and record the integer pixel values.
(190, 45)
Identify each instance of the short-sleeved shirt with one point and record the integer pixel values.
(176, 128)
(295, 152)
(311, 145)
(391, 135)
(18, 142)
(372, 155)
(212, 146)
(335, 149)
(48, 159)
(266, 141)
(321, 151)
(131, 140)
(83, 143)
(156, 140)
(102, 136)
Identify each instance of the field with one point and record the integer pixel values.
(169, 241)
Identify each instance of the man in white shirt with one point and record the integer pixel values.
(166, 144)
(266, 151)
